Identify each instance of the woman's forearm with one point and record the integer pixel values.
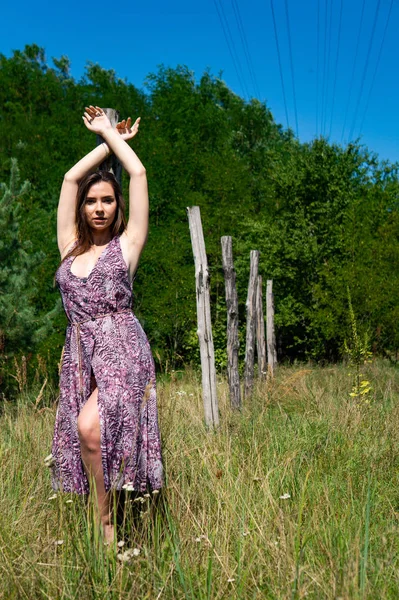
(88, 163)
(129, 159)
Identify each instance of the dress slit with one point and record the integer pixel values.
(104, 459)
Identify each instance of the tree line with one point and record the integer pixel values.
(323, 216)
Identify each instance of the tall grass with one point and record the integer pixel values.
(296, 496)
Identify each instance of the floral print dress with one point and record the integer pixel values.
(104, 339)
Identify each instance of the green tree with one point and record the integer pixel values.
(323, 216)
(20, 324)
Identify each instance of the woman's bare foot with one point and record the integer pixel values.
(109, 534)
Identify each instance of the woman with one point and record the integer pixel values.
(106, 429)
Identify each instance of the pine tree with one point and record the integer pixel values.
(20, 325)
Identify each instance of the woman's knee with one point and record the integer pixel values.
(89, 434)
(89, 424)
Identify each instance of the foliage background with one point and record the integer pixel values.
(323, 216)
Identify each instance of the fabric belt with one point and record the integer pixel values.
(77, 325)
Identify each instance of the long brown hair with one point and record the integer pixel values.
(83, 231)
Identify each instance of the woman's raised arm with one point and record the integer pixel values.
(137, 227)
(66, 223)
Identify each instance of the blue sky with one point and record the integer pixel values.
(134, 38)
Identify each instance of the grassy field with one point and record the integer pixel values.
(297, 496)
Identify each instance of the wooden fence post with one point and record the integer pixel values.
(204, 318)
(111, 163)
(232, 321)
(270, 334)
(260, 331)
(251, 324)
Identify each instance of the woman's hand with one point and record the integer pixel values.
(96, 120)
(126, 130)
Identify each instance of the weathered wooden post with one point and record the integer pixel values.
(204, 318)
(111, 163)
(251, 323)
(260, 331)
(270, 334)
(232, 321)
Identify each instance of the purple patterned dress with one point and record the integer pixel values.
(105, 339)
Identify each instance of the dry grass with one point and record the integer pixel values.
(295, 497)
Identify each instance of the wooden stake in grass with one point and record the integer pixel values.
(260, 331)
(204, 318)
(251, 323)
(232, 321)
(270, 335)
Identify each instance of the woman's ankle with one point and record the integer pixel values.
(109, 533)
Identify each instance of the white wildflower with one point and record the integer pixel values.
(129, 487)
(231, 580)
(123, 557)
(155, 492)
(128, 554)
(53, 497)
(49, 460)
(285, 496)
(59, 542)
(68, 501)
(121, 544)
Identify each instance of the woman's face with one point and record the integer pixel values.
(100, 206)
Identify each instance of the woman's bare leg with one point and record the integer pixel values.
(90, 438)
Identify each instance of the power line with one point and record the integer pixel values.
(328, 67)
(279, 62)
(323, 88)
(317, 68)
(376, 67)
(230, 44)
(353, 70)
(292, 65)
(336, 67)
(365, 69)
(246, 48)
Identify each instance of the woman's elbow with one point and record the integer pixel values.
(69, 177)
(138, 173)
